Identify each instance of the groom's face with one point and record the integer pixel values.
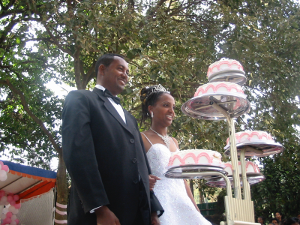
(115, 76)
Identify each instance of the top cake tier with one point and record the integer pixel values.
(228, 70)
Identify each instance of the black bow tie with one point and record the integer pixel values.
(109, 95)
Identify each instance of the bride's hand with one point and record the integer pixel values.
(152, 181)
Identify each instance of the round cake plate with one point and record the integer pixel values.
(193, 171)
(229, 76)
(200, 107)
(259, 149)
(252, 178)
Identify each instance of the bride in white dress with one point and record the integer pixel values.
(174, 195)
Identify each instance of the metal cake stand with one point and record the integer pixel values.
(227, 106)
(259, 149)
(202, 107)
(206, 172)
(193, 171)
(223, 106)
(252, 178)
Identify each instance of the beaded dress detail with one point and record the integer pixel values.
(171, 193)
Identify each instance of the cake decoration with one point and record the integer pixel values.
(218, 87)
(224, 65)
(250, 168)
(196, 157)
(252, 172)
(251, 137)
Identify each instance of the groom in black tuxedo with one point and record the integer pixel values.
(104, 154)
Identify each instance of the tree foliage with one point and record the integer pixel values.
(165, 41)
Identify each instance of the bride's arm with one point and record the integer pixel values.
(189, 193)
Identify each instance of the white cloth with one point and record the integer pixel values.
(171, 193)
(118, 107)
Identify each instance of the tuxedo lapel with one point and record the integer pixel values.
(111, 109)
(130, 121)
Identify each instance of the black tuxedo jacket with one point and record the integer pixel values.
(105, 158)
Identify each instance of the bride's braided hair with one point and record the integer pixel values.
(149, 96)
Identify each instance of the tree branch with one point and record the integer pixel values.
(154, 9)
(31, 114)
(90, 73)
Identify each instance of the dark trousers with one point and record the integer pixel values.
(139, 219)
(142, 217)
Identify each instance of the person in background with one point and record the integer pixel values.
(274, 221)
(279, 217)
(292, 221)
(174, 194)
(261, 220)
(104, 154)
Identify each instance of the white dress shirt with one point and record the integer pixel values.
(118, 107)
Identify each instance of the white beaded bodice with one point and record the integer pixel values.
(158, 156)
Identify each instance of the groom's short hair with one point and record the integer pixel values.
(106, 60)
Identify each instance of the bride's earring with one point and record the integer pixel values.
(151, 114)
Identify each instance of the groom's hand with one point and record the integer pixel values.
(106, 217)
(154, 219)
(152, 181)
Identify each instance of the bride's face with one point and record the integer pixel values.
(163, 110)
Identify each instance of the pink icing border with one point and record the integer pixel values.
(218, 64)
(255, 167)
(192, 155)
(259, 134)
(248, 163)
(237, 104)
(215, 88)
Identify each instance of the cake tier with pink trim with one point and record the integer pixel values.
(225, 88)
(251, 168)
(196, 157)
(251, 137)
(228, 70)
(224, 66)
(252, 172)
(227, 95)
(255, 143)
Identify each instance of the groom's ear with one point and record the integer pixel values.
(100, 73)
(101, 70)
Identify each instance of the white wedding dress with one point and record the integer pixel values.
(178, 207)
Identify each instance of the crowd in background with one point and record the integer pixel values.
(280, 220)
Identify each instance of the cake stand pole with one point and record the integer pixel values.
(246, 186)
(234, 159)
(233, 150)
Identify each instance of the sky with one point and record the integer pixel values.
(61, 91)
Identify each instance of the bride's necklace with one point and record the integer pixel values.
(165, 138)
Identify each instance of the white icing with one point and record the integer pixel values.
(223, 66)
(196, 156)
(218, 87)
